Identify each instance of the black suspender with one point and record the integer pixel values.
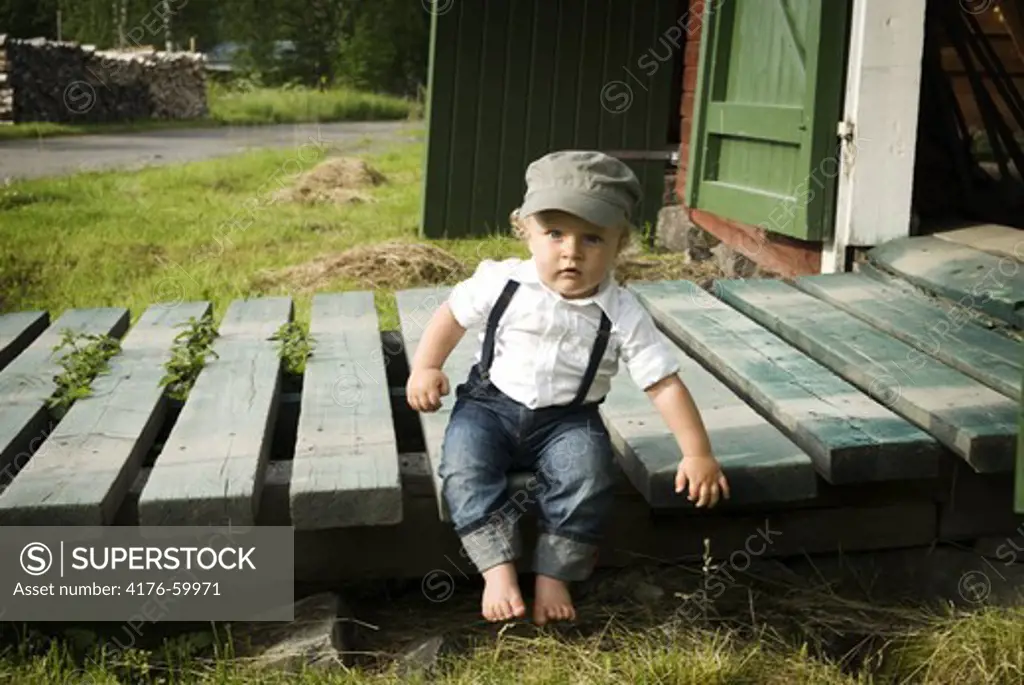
(498, 310)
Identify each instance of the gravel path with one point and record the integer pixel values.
(34, 158)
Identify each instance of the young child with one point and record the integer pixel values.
(554, 329)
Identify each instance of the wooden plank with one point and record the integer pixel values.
(974, 421)
(82, 472)
(992, 284)
(762, 465)
(415, 307)
(17, 330)
(1001, 241)
(211, 468)
(346, 453)
(950, 337)
(850, 437)
(28, 381)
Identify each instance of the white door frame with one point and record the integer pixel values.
(878, 133)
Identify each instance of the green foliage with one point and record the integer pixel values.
(89, 355)
(295, 346)
(188, 356)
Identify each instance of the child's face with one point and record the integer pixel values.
(572, 255)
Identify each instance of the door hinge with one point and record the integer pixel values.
(845, 130)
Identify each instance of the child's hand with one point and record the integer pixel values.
(424, 390)
(705, 478)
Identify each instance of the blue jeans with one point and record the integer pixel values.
(570, 455)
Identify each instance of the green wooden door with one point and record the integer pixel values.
(511, 80)
(768, 102)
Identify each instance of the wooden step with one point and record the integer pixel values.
(761, 464)
(968, 276)
(210, 471)
(415, 308)
(28, 381)
(1001, 241)
(951, 337)
(971, 419)
(81, 473)
(345, 469)
(851, 437)
(17, 331)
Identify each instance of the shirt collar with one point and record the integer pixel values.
(604, 298)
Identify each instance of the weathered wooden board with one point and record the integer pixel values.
(80, 474)
(415, 307)
(28, 381)
(17, 330)
(951, 337)
(1002, 241)
(851, 437)
(761, 464)
(210, 470)
(976, 279)
(971, 419)
(346, 453)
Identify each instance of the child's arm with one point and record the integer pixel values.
(698, 467)
(427, 382)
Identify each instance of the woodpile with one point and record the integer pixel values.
(6, 94)
(70, 83)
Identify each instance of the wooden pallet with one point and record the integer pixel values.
(826, 400)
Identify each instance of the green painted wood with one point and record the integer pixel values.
(512, 80)
(28, 381)
(762, 465)
(972, 278)
(17, 331)
(971, 419)
(415, 308)
(345, 469)
(850, 437)
(1018, 481)
(759, 122)
(491, 100)
(83, 470)
(441, 75)
(949, 336)
(211, 468)
(760, 64)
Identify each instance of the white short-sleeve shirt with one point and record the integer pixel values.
(543, 341)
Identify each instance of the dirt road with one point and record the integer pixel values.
(58, 156)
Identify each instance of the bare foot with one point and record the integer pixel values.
(502, 599)
(551, 601)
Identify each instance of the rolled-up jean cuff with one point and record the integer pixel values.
(563, 558)
(492, 543)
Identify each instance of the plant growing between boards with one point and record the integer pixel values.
(88, 357)
(295, 346)
(188, 356)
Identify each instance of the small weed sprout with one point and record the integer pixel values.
(188, 356)
(295, 345)
(88, 357)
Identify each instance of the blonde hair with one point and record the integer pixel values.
(522, 231)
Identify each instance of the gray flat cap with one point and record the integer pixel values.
(592, 185)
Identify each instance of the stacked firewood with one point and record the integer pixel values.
(66, 82)
(6, 94)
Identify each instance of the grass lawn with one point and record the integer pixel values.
(251, 106)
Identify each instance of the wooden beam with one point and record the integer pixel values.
(80, 474)
(876, 163)
(210, 471)
(346, 453)
(851, 437)
(1001, 241)
(28, 381)
(974, 421)
(17, 331)
(975, 279)
(950, 337)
